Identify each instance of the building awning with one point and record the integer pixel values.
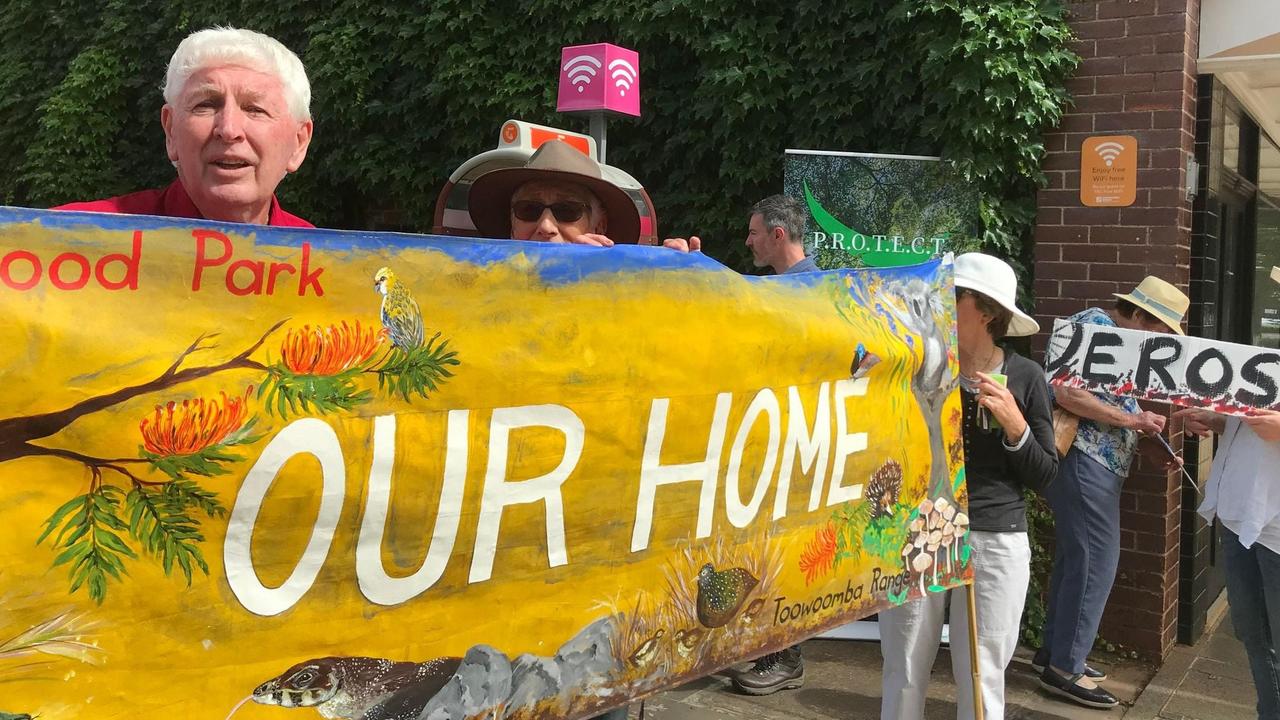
(1240, 44)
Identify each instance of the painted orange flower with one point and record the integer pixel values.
(819, 556)
(193, 425)
(329, 350)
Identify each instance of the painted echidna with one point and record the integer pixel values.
(883, 489)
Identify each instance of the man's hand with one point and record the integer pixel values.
(1200, 422)
(1147, 422)
(1156, 454)
(693, 244)
(595, 239)
(1266, 423)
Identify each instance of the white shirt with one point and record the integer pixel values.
(1244, 486)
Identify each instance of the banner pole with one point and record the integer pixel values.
(974, 670)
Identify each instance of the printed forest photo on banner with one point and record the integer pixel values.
(258, 473)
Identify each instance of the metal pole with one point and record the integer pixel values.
(973, 651)
(599, 131)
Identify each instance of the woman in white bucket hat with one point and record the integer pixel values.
(1008, 444)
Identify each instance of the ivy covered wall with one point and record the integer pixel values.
(405, 91)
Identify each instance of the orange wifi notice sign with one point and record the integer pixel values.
(1108, 171)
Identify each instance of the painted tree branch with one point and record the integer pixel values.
(16, 433)
(95, 464)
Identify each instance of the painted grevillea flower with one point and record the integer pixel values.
(329, 350)
(187, 427)
(819, 556)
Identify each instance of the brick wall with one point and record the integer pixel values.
(1137, 78)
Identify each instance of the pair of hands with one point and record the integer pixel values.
(1265, 423)
(691, 244)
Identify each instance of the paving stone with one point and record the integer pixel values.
(1203, 696)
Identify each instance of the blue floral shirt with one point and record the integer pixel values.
(1108, 445)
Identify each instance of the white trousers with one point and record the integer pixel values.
(911, 632)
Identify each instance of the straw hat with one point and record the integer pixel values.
(993, 277)
(490, 199)
(1162, 300)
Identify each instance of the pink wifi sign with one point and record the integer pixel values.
(599, 77)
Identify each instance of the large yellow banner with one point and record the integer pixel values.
(269, 473)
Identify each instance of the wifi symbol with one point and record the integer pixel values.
(581, 69)
(624, 75)
(1109, 151)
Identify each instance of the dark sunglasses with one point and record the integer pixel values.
(531, 210)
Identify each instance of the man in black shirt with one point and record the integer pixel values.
(775, 237)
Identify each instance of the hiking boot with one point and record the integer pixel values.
(1041, 660)
(1065, 686)
(773, 672)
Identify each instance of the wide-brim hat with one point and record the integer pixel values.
(489, 201)
(993, 277)
(1161, 300)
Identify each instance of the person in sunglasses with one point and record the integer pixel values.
(559, 195)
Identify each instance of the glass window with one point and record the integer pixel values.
(1266, 292)
(1231, 137)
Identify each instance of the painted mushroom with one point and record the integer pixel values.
(962, 529)
(934, 544)
(921, 563)
(948, 541)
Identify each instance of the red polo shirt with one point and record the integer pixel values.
(172, 201)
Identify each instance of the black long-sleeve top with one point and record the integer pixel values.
(997, 474)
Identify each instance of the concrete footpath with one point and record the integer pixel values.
(1209, 681)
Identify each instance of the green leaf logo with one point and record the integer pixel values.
(859, 245)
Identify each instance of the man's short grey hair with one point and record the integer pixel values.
(234, 46)
(780, 211)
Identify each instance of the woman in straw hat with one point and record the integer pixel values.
(1008, 443)
(1086, 501)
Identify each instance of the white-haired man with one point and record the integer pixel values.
(236, 120)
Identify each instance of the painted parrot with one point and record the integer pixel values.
(400, 314)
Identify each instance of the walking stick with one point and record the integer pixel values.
(974, 670)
